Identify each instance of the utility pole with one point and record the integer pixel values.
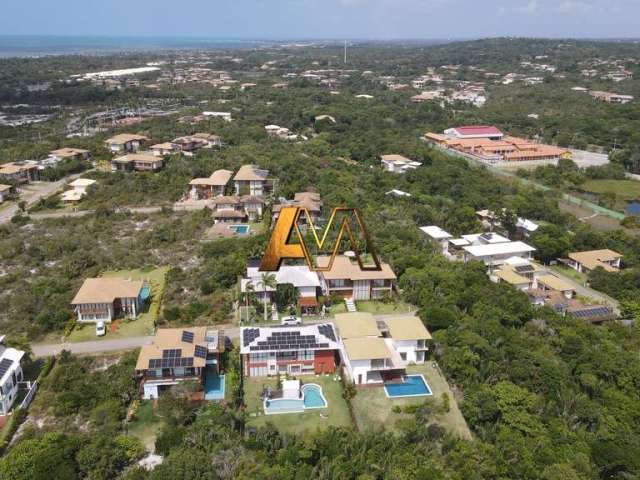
(345, 52)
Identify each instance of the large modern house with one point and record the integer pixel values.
(251, 180)
(294, 350)
(125, 142)
(10, 375)
(105, 298)
(348, 280)
(374, 352)
(179, 355)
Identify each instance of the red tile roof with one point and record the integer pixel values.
(478, 130)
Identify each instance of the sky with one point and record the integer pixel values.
(336, 19)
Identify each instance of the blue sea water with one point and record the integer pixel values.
(43, 45)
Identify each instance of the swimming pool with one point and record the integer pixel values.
(145, 292)
(412, 386)
(213, 385)
(312, 397)
(240, 229)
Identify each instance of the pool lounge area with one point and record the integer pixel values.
(411, 386)
(295, 398)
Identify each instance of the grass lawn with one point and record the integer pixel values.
(372, 407)
(121, 328)
(581, 278)
(382, 308)
(145, 425)
(626, 189)
(337, 409)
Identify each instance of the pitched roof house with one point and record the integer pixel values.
(347, 279)
(125, 142)
(251, 180)
(592, 259)
(105, 298)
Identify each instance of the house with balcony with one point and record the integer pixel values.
(105, 298)
(137, 162)
(308, 200)
(10, 375)
(348, 280)
(179, 355)
(251, 180)
(166, 148)
(19, 172)
(125, 142)
(288, 350)
(212, 186)
(586, 261)
(374, 352)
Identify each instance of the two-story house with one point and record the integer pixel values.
(251, 180)
(138, 162)
(308, 200)
(125, 142)
(213, 186)
(348, 280)
(178, 355)
(105, 298)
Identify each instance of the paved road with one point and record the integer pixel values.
(112, 345)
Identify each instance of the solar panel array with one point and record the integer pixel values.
(200, 351)
(171, 362)
(524, 268)
(187, 336)
(172, 353)
(249, 335)
(288, 340)
(5, 365)
(592, 312)
(327, 331)
(486, 236)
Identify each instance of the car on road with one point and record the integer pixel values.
(101, 330)
(291, 320)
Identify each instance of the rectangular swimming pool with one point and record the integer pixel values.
(412, 386)
(240, 229)
(213, 385)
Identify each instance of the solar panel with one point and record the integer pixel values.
(524, 268)
(5, 365)
(486, 236)
(187, 336)
(200, 351)
(172, 353)
(249, 335)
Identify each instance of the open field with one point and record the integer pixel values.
(337, 411)
(581, 278)
(373, 409)
(382, 308)
(599, 222)
(624, 189)
(122, 328)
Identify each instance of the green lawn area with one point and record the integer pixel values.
(145, 424)
(144, 324)
(627, 189)
(581, 278)
(372, 407)
(382, 308)
(337, 410)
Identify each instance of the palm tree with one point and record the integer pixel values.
(267, 280)
(249, 289)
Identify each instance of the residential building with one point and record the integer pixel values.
(213, 186)
(439, 236)
(178, 355)
(19, 172)
(6, 191)
(139, 162)
(253, 206)
(592, 313)
(590, 260)
(69, 153)
(611, 97)
(288, 350)
(397, 163)
(306, 282)
(374, 351)
(10, 375)
(162, 149)
(226, 116)
(125, 142)
(475, 132)
(493, 255)
(348, 280)
(251, 180)
(308, 200)
(106, 298)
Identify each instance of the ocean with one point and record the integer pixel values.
(38, 46)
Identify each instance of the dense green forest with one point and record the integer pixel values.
(546, 397)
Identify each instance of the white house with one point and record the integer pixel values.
(226, 116)
(494, 254)
(10, 375)
(78, 190)
(374, 352)
(397, 163)
(438, 235)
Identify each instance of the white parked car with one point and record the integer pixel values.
(291, 320)
(100, 329)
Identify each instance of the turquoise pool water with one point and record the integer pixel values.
(413, 386)
(145, 292)
(213, 385)
(240, 229)
(312, 397)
